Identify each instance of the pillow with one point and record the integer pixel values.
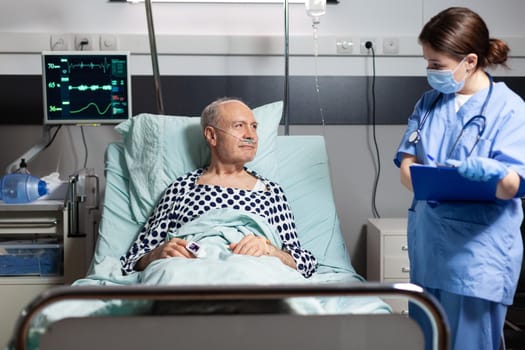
(160, 148)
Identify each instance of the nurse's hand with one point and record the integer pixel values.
(482, 169)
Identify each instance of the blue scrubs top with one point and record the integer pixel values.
(468, 248)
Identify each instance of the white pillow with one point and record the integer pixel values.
(160, 148)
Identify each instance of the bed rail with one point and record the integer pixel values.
(413, 293)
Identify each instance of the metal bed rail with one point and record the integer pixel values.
(413, 293)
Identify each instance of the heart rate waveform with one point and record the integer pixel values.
(90, 87)
(104, 65)
(117, 67)
(99, 111)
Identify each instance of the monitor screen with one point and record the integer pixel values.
(86, 87)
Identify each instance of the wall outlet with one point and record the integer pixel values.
(108, 42)
(344, 46)
(60, 42)
(391, 46)
(362, 45)
(85, 42)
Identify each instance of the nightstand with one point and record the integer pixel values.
(387, 255)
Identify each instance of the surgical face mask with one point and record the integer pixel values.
(443, 80)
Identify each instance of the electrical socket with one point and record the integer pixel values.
(108, 42)
(60, 42)
(344, 46)
(85, 42)
(391, 46)
(362, 45)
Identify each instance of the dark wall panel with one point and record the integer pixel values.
(344, 100)
(21, 99)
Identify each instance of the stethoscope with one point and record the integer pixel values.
(415, 136)
(481, 129)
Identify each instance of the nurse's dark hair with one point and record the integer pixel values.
(211, 113)
(458, 31)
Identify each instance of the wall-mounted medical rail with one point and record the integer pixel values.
(413, 293)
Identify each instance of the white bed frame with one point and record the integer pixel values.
(235, 331)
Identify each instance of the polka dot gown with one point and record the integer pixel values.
(185, 200)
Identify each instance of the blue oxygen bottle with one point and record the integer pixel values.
(19, 188)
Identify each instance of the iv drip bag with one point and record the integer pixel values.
(315, 8)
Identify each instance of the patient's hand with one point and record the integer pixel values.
(251, 245)
(259, 246)
(171, 248)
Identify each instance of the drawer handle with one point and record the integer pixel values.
(404, 248)
(30, 223)
(405, 269)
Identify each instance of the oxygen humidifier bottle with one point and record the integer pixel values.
(18, 188)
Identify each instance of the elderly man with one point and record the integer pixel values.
(230, 130)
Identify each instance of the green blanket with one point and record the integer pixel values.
(214, 231)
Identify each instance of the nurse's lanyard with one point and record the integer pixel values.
(415, 136)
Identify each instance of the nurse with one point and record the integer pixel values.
(467, 254)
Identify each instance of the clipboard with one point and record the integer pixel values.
(442, 183)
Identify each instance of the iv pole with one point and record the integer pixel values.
(154, 58)
(286, 107)
(155, 63)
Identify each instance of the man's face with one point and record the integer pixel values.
(236, 125)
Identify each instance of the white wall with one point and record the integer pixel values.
(240, 39)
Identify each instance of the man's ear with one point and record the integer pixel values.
(210, 135)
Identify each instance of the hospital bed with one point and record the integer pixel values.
(236, 307)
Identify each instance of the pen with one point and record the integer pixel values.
(433, 161)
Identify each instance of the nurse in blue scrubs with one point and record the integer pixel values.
(467, 254)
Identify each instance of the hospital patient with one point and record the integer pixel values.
(230, 129)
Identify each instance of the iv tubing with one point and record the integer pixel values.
(315, 22)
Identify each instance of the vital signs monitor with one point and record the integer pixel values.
(86, 87)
